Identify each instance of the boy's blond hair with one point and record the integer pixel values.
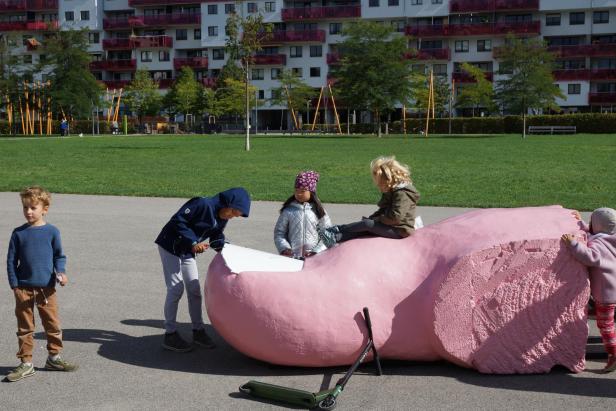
(388, 172)
(35, 194)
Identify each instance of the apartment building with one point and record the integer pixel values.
(161, 36)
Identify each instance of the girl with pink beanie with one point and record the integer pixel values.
(599, 255)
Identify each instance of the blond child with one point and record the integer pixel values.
(395, 217)
(35, 262)
(599, 255)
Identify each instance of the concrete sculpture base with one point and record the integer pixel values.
(492, 289)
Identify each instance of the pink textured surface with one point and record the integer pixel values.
(490, 289)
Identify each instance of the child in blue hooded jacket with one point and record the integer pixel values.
(199, 219)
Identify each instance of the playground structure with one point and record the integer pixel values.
(316, 112)
(114, 97)
(32, 109)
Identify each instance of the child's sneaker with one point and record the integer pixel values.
(200, 337)
(59, 364)
(23, 370)
(174, 342)
(611, 364)
(328, 236)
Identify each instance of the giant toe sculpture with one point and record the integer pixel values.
(493, 290)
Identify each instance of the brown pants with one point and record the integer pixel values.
(45, 300)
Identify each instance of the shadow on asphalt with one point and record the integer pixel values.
(146, 351)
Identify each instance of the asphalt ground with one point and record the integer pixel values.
(111, 312)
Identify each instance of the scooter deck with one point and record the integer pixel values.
(284, 394)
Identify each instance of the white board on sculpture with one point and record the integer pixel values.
(240, 259)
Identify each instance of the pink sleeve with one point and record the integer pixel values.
(587, 255)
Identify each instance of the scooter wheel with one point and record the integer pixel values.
(244, 390)
(329, 403)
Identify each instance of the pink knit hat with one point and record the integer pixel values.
(307, 180)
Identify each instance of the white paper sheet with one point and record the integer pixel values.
(240, 259)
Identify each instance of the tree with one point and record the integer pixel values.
(477, 94)
(292, 91)
(185, 94)
(420, 91)
(142, 95)
(245, 37)
(9, 79)
(528, 83)
(373, 72)
(73, 89)
(229, 100)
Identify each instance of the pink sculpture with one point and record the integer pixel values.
(492, 289)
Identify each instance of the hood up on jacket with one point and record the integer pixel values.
(237, 198)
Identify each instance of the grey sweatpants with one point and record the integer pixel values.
(181, 273)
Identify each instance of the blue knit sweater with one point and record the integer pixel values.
(35, 255)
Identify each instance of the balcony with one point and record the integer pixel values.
(123, 23)
(291, 36)
(134, 3)
(116, 84)
(432, 54)
(270, 60)
(601, 98)
(579, 74)
(584, 50)
(464, 77)
(603, 74)
(320, 13)
(29, 26)
(116, 44)
(474, 29)
(468, 6)
(209, 82)
(150, 42)
(193, 62)
(332, 58)
(114, 65)
(11, 6)
(164, 83)
(173, 19)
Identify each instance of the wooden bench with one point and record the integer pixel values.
(551, 129)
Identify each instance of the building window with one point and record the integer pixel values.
(461, 46)
(295, 51)
(552, 19)
(484, 45)
(84, 15)
(181, 34)
(437, 1)
(276, 94)
(373, 3)
(212, 31)
(251, 7)
(601, 17)
(258, 74)
(315, 71)
(270, 6)
(296, 71)
(94, 38)
(416, 2)
(439, 69)
(261, 95)
(276, 72)
(197, 34)
(316, 51)
(69, 15)
(229, 8)
(146, 56)
(212, 9)
(393, 3)
(576, 18)
(163, 56)
(398, 25)
(218, 54)
(574, 88)
(335, 28)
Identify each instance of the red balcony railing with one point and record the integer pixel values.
(601, 98)
(473, 29)
(579, 74)
(116, 44)
(209, 82)
(464, 77)
(467, 6)
(432, 54)
(585, 50)
(173, 19)
(29, 26)
(291, 36)
(193, 62)
(123, 23)
(114, 65)
(134, 3)
(332, 58)
(603, 74)
(116, 84)
(319, 13)
(164, 83)
(10, 6)
(270, 59)
(143, 42)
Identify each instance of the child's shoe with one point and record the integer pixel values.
(200, 337)
(23, 370)
(328, 236)
(174, 342)
(611, 364)
(59, 364)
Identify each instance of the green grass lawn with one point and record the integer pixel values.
(470, 171)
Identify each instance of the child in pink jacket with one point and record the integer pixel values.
(599, 255)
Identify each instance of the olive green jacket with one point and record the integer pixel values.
(397, 208)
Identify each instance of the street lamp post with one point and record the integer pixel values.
(256, 111)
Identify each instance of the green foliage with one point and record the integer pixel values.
(73, 88)
(528, 83)
(231, 99)
(142, 95)
(420, 92)
(294, 91)
(186, 93)
(479, 94)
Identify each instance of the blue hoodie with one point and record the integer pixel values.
(198, 220)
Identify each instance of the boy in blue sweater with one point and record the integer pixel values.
(34, 263)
